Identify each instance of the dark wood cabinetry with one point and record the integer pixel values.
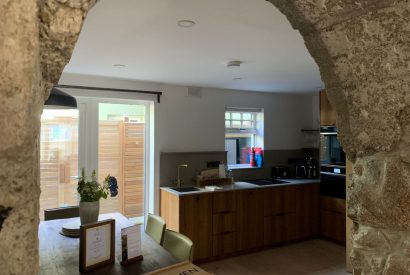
(307, 210)
(192, 216)
(249, 223)
(279, 215)
(224, 223)
(291, 213)
(196, 223)
(327, 113)
(231, 222)
(333, 219)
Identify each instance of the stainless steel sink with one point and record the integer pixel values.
(264, 182)
(186, 189)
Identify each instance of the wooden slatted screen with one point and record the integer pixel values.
(134, 134)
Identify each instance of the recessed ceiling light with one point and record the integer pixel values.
(186, 23)
(119, 65)
(233, 64)
(237, 78)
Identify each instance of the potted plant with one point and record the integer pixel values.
(91, 192)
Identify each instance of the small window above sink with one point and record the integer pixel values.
(185, 189)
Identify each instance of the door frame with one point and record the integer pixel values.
(88, 131)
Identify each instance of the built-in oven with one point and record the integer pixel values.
(333, 181)
(332, 164)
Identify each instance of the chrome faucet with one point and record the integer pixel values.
(179, 180)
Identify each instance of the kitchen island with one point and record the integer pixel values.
(243, 217)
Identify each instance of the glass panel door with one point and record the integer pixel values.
(121, 147)
(58, 158)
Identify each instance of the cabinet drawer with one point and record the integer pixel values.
(333, 204)
(224, 222)
(224, 202)
(224, 244)
(333, 225)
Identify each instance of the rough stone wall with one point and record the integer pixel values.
(36, 41)
(362, 48)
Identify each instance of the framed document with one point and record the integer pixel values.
(131, 244)
(97, 244)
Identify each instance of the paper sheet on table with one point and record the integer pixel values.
(132, 236)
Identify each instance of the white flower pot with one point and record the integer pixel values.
(89, 211)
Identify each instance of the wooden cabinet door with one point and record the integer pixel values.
(333, 225)
(224, 244)
(279, 229)
(196, 223)
(307, 210)
(279, 200)
(327, 113)
(333, 219)
(249, 219)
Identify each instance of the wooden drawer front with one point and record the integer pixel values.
(333, 204)
(224, 202)
(279, 229)
(333, 225)
(224, 222)
(224, 244)
(279, 200)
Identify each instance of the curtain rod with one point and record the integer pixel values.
(158, 94)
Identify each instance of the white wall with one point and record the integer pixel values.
(186, 123)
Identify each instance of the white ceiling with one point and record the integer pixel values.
(144, 36)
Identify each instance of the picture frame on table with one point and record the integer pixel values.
(97, 245)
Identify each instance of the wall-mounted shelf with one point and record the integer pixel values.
(310, 130)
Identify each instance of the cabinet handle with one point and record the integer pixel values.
(197, 198)
(225, 233)
(225, 212)
(250, 192)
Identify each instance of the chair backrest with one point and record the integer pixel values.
(179, 245)
(155, 228)
(62, 213)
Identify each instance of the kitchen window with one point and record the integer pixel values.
(244, 137)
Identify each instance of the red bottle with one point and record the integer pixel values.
(252, 161)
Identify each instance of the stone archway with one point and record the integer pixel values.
(362, 49)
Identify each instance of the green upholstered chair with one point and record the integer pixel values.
(61, 213)
(155, 228)
(179, 245)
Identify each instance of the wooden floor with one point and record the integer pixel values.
(317, 257)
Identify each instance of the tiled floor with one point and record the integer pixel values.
(318, 257)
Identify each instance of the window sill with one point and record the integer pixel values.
(242, 166)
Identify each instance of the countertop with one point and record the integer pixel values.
(240, 185)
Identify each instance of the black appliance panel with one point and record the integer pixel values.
(263, 182)
(333, 185)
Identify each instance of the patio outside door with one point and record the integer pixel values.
(117, 132)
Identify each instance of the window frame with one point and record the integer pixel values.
(241, 132)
